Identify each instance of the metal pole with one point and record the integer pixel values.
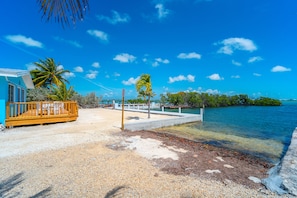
(123, 106)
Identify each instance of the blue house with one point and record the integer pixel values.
(13, 88)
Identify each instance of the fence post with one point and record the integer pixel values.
(201, 114)
(179, 109)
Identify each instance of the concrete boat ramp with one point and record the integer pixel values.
(173, 119)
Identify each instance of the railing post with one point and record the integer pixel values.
(201, 114)
(179, 109)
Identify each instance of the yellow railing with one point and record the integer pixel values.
(40, 112)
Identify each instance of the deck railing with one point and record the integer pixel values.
(40, 112)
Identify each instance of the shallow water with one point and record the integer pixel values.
(262, 131)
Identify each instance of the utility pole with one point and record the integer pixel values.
(123, 106)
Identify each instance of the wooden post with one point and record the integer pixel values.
(123, 106)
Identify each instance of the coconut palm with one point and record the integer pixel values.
(63, 11)
(144, 89)
(61, 93)
(47, 73)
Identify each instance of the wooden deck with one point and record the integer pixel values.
(31, 113)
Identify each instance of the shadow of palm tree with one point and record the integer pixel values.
(113, 192)
(122, 191)
(43, 193)
(7, 187)
(8, 184)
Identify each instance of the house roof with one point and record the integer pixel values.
(25, 74)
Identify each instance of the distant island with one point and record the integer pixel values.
(199, 100)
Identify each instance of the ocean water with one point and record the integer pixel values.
(261, 131)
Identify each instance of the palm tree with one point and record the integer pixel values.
(61, 93)
(63, 10)
(144, 89)
(47, 73)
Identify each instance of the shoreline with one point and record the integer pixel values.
(241, 165)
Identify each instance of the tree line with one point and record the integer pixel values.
(198, 100)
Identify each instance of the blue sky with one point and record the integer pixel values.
(215, 46)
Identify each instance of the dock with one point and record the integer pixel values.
(174, 119)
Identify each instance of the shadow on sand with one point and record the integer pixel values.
(8, 187)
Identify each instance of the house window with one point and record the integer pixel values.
(10, 93)
(23, 95)
(19, 95)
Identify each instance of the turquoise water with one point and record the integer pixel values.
(262, 131)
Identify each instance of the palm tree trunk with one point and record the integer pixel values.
(149, 107)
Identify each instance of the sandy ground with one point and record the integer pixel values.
(90, 158)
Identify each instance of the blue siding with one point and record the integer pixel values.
(4, 89)
(18, 83)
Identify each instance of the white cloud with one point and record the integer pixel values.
(162, 11)
(212, 91)
(235, 76)
(92, 74)
(60, 67)
(279, 68)
(125, 58)
(116, 18)
(130, 81)
(192, 55)
(236, 63)
(116, 74)
(69, 75)
(215, 77)
(24, 40)
(232, 44)
(30, 66)
(73, 43)
(189, 78)
(257, 74)
(98, 34)
(96, 64)
(160, 60)
(255, 59)
(78, 69)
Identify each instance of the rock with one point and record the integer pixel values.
(228, 166)
(220, 158)
(213, 171)
(255, 179)
(288, 170)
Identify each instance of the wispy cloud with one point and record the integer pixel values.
(116, 18)
(96, 64)
(279, 68)
(162, 12)
(189, 78)
(78, 69)
(255, 59)
(212, 91)
(236, 63)
(73, 43)
(99, 34)
(124, 58)
(69, 75)
(92, 74)
(27, 41)
(191, 55)
(257, 74)
(232, 44)
(235, 76)
(160, 60)
(130, 81)
(215, 77)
